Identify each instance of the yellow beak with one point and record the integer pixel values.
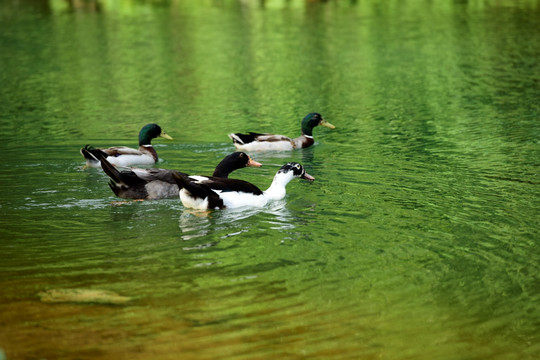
(163, 135)
(327, 124)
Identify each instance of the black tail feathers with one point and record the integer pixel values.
(127, 177)
(90, 153)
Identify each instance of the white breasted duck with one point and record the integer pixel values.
(125, 156)
(268, 142)
(152, 184)
(207, 193)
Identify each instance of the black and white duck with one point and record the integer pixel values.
(270, 142)
(207, 193)
(152, 184)
(126, 156)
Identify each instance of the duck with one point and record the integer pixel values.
(126, 156)
(270, 142)
(153, 183)
(211, 193)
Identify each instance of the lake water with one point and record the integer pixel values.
(418, 239)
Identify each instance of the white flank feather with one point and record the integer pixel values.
(235, 199)
(127, 160)
(265, 146)
(190, 202)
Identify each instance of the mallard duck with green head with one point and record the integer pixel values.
(126, 156)
(270, 142)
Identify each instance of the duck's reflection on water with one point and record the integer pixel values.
(230, 222)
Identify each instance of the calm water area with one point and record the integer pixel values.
(419, 238)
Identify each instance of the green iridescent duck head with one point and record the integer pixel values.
(149, 132)
(311, 120)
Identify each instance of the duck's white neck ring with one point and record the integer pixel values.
(149, 145)
(308, 136)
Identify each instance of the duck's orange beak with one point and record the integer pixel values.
(253, 163)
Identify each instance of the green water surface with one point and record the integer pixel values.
(418, 239)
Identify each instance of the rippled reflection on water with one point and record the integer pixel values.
(195, 224)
